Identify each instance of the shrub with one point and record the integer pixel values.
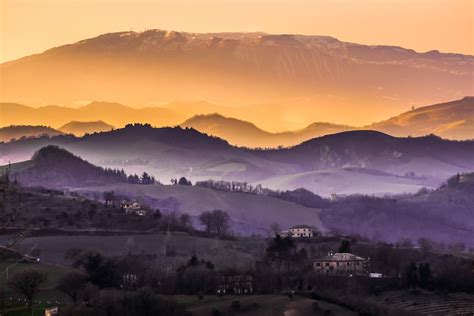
(235, 305)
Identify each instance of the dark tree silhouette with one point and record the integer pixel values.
(206, 219)
(184, 181)
(72, 284)
(424, 271)
(345, 246)
(411, 276)
(216, 222)
(26, 283)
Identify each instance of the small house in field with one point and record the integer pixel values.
(235, 284)
(132, 208)
(301, 231)
(342, 264)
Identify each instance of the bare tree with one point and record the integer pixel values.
(216, 222)
(275, 228)
(72, 284)
(109, 196)
(221, 222)
(26, 283)
(185, 220)
(206, 219)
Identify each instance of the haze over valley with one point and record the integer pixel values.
(148, 171)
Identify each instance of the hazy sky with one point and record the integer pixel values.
(32, 26)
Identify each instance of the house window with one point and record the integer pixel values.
(327, 264)
(318, 264)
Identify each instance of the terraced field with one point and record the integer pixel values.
(427, 303)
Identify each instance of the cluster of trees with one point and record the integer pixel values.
(144, 179)
(299, 196)
(282, 256)
(215, 222)
(404, 217)
(181, 181)
(94, 289)
(418, 275)
(232, 186)
(27, 283)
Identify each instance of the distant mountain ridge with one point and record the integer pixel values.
(350, 162)
(451, 120)
(82, 128)
(113, 113)
(13, 132)
(319, 76)
(246, 134)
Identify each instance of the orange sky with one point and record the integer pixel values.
(31, 26)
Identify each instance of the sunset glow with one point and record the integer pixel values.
(32, 26)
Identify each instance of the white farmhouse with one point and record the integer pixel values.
(301, 231)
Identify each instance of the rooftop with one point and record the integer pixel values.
(342, 256)
(300, 226)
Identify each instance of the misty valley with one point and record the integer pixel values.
(174, 173)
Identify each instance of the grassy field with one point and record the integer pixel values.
(14, 304)
(250, 213)
(180, 246)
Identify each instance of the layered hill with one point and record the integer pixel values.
(351, 162)
(452, 120)
(114, 113)
(320, 76)
(443, 215)
(242, 133)
(14, 132)
(82, 128)
(54, 167)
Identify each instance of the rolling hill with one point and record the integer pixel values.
(443, 215)
(82, 128)
(250, 213)
(114, 113)
(363, 158)
(317, 77)
(242, 133)
(55, 167)
(14, 132)
(452, 120)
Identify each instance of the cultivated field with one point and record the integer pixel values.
(427, 303)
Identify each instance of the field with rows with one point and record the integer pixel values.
(427, 303)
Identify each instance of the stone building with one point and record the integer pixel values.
(342, 264)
